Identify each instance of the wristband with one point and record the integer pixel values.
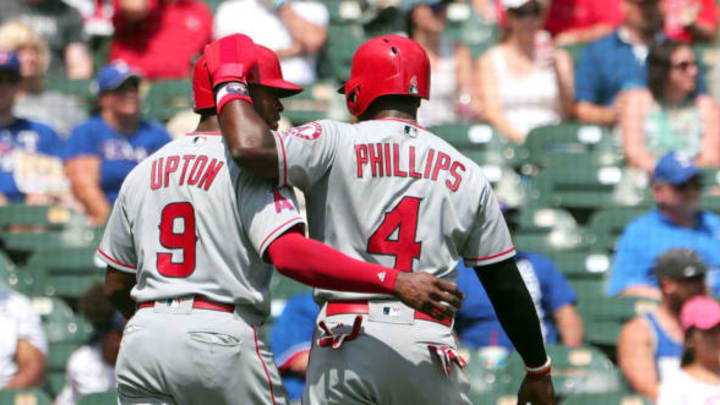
(540, 371)
(231, 91)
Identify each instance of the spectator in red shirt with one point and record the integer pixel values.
(690, 20)
(160, 38)
(582, 21)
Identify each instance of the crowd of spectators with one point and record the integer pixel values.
(630, 65)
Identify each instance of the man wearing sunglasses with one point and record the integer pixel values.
(676, 222)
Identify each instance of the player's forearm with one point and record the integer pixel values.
(249, 139)
(515, 310)
(118, 285)
(315, 264)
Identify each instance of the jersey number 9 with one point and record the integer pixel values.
(185, 239)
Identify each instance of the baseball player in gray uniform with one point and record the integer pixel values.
(387, 191)
(187, 247)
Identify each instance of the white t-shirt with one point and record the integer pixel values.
(30, 328)
(682, 389)
(252, 18)
(8, 347)
(86, 373)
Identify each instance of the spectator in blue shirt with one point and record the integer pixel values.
(290, 341)
(477, 325)
(103, 150)
(18, 134)
(676, 222)
(615, 63)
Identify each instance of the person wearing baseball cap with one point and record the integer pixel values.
(698, 381)
(103, 150)
(676, 187)
(20, 134)
(650, 346)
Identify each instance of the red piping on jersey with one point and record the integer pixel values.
(413, 123)
(204, 133)
(490, 257)
(105, 255)
(257, 350)
(262, 245)
(282, 146)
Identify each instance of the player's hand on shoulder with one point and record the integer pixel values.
(429, 294)
(536, 391)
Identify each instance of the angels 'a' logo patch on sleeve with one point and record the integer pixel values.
(309, 131)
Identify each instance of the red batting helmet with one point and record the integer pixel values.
(385, 65)
(270, 75)
(203, 96)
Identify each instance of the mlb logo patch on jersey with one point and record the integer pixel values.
(391, 311)
(411, 131)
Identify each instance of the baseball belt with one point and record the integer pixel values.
(362, 307)
(199, 302)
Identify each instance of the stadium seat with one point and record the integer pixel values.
(558, 240)
(568, 144)
(477, 34)
(54, 382)
(618, 309)
(24, 397)
(582, 265)
(60, 323)
(483, 366)
(606, 399)
(69, 237)
(585, 186)
(576, 51)
(539, 219)
(588, 290)
(343, 40)
(45, 215)
(481, 143)
(167, 97)
(612, 221)
(576, 370)
(602, 333)
(68, 272)
(98, 398)
(343, 11)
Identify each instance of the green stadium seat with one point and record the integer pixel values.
(60, 323)
(588, 289)
(612, 221)
(343, 40)
(617, 309)
(69, 237)
(569, 144)
(602, 333)
(68, 272)
(477, 34)
(54, 382)
(481, 143)
(98, 398)
(606, 399)
(585, 186)
(343, 11)
(46, 215)
(558, 240)
(166, 98)
(538, 219)
(24, 397)
(576, 370)
(485, 377)
(582, 265)
(282, 287)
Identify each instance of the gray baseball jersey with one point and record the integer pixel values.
(189, 221)
(390, 192)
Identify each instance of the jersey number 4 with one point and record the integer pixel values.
(180, 215)
(396, 234)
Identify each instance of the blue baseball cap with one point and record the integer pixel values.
(9, 62)
(675, 168)
(113, 75)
